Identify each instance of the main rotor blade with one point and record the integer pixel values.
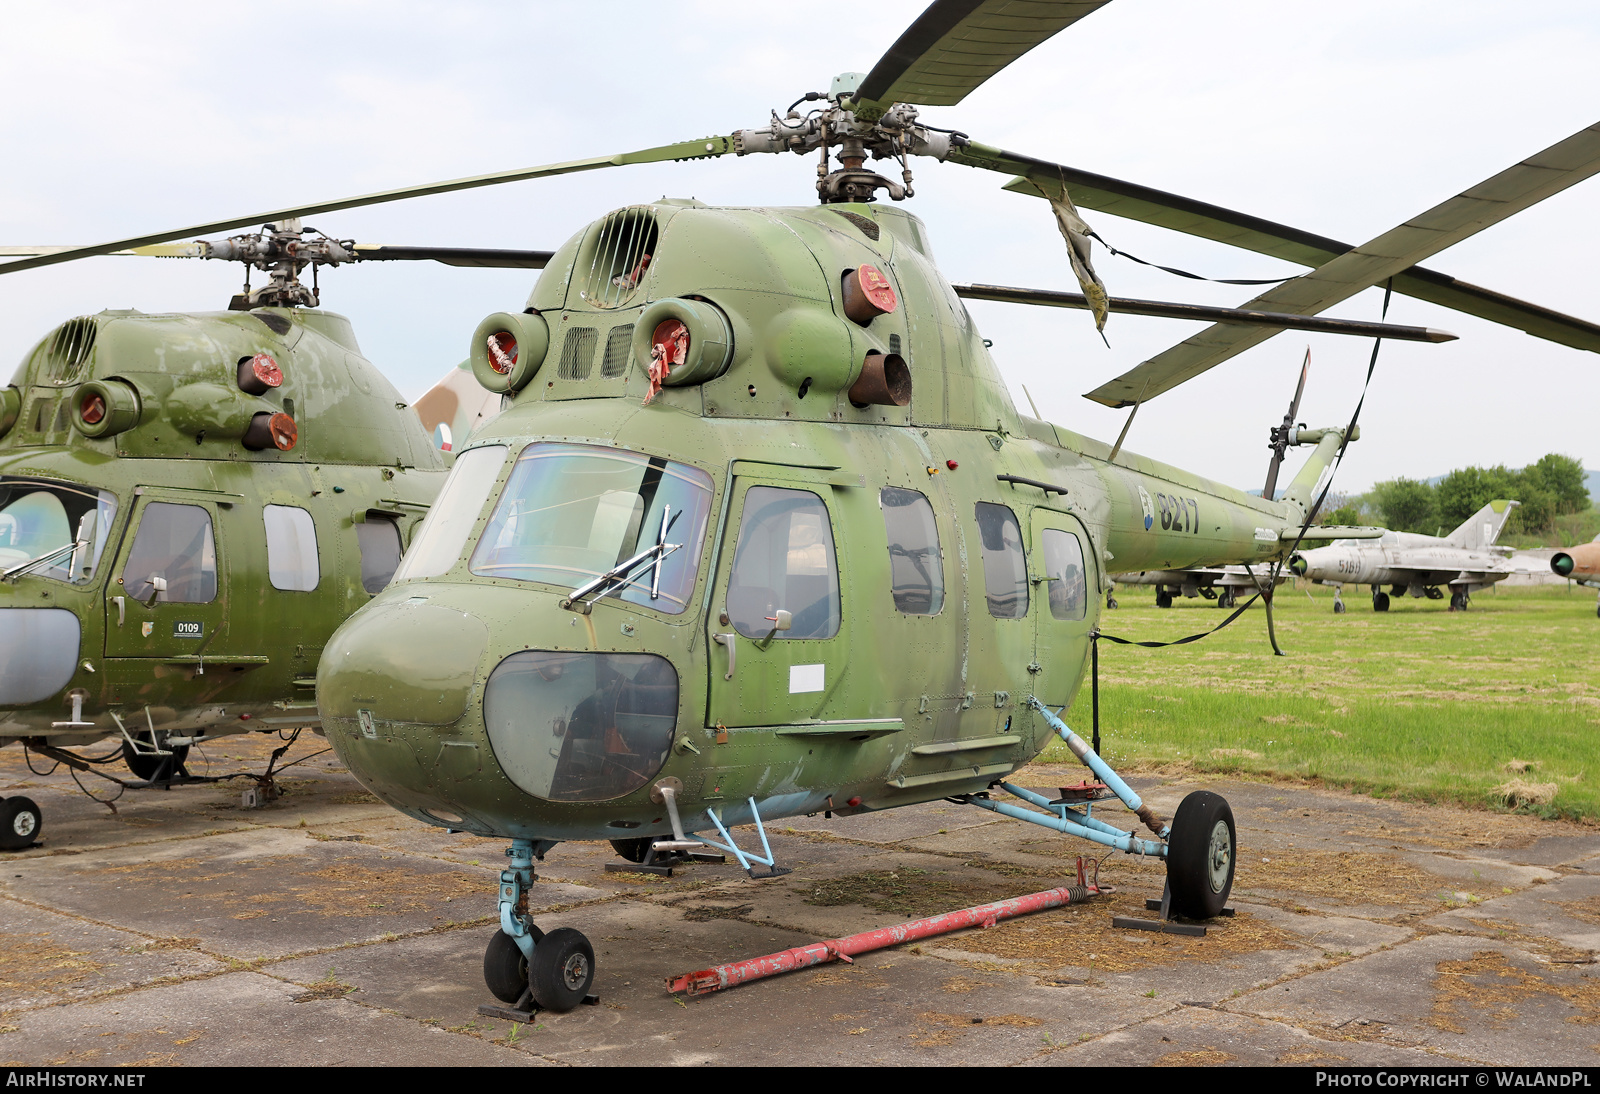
(704, 148)
(1233, 316)
(456, 256)
(955, 45)
(1038, 178)
(1539, 176)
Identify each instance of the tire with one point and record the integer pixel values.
(1338, 607)
(20, 823)
(1111, 603)
(1201, 853)
(1380, 602)
(634, 850)
(1163, 599)
(562, 970)
(154, 768)
(1226, 600)
(505, 970)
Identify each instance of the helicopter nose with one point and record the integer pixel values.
(406, 661)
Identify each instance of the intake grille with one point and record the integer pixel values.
(577, 353)
(618, 344)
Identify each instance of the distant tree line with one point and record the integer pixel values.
(1550, 488)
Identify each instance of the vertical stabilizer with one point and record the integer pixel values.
(1482, 528)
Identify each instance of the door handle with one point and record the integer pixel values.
(122, 608)
(727, 640)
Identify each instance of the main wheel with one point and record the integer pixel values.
(20, 823)
(1227, 599)
(634, 850)
(154, 768)
(1200, 855)
(1111, 602)
(505, 970)
(1458, 602)
(1380, 602)
(1338, 607)
(563, 969)
(1163, 599)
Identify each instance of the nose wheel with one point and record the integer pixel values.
(20, 823)
(527, 968)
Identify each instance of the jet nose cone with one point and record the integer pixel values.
(1561, 563)
(1298, 566)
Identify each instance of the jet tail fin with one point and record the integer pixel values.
(1482, 528)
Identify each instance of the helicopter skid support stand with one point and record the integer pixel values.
(664, 862)
(1168, 923)
(747, 860)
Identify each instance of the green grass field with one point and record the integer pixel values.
(1496, 707)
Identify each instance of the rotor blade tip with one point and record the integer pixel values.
(1436, 335)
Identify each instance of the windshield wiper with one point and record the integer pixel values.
(14, 572)
(617, 577)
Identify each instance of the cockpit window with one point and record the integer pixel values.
(571, 513)
(42, 520)
(449, 522)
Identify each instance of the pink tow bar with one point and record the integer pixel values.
(842, 949)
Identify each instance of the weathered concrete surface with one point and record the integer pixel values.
(325, 929)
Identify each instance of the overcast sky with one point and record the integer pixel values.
(1341, 118)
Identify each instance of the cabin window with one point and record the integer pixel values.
(1064, 574)
(571, 513)
(444, 533)
(1005, 567)
(174, 556)
(916, 568)
(38, 518)
(785, 559)
(379, 541)
(291, 548)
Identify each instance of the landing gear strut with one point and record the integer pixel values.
(1338, 600)
(524, 966)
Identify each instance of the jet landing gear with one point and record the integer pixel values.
(1458, 600)
(1338, 601)
(1380, 600)
(524, 966)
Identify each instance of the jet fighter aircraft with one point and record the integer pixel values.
(1581, 564)
(1466, 561)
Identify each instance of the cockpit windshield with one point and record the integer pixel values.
(43, 520)
(571, 513)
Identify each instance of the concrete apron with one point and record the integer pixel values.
(326, 929)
